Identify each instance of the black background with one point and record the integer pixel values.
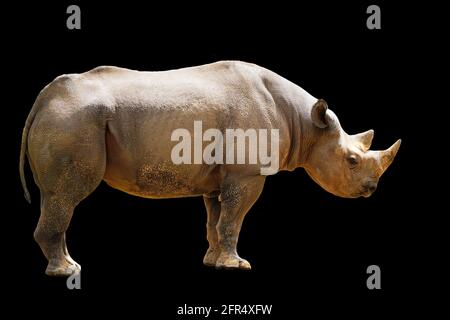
(309, 250)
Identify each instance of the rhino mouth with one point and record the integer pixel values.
(362, 193)
(365, 194)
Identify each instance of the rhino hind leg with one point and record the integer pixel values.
(66, 173)
(56, 212)
(50, 234)
(212, 205)
(236, 200)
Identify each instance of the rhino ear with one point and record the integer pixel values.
(318, 114)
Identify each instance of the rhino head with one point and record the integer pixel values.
(341, 163)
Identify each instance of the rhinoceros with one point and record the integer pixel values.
(115, 124)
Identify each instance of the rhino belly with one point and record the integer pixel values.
(153, 176)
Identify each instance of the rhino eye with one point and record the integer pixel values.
(352, 161)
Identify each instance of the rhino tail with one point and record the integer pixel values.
(23, 150)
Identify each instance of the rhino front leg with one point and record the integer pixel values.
(212, 205)
(237, 197)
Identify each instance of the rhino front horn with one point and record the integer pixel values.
(387, 156)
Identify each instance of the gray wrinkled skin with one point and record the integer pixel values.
(115, 125)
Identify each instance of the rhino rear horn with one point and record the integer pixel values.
(364, 139)
(387, 156)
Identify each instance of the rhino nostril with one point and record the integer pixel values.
(370, 187)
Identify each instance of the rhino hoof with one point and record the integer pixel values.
(232, 262)
(62, 271)
(211, 257)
